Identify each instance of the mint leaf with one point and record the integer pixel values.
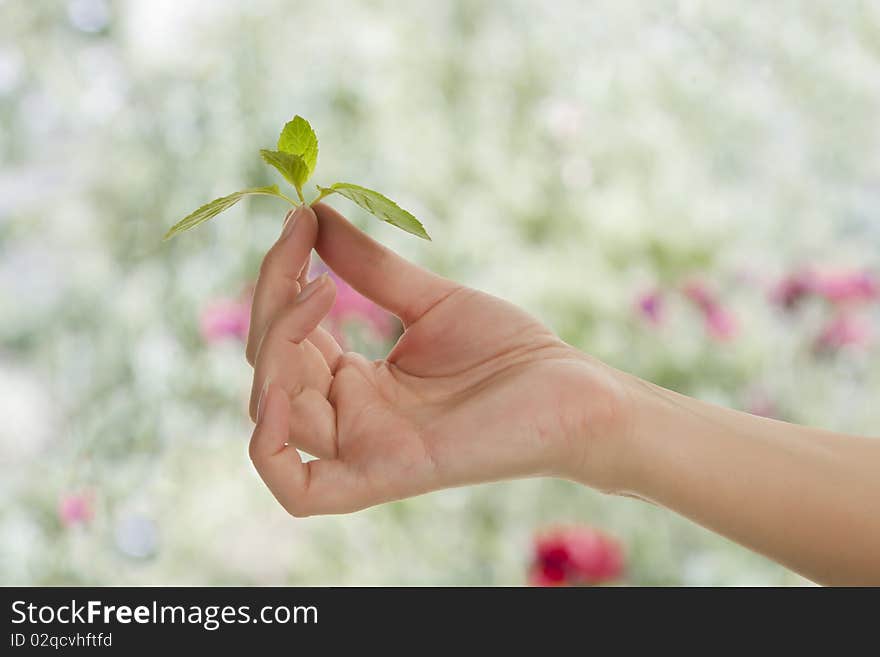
(291, 166)
(298, 138)
(295, 159)
(215, 207)
(379, 206)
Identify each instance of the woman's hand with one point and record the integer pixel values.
(475, 389)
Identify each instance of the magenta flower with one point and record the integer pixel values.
(844, 330)
(720, 323)
(699, 294)
(75, 509)
(847, 286)
(650, 305)
(352, 307)
(575, 556)
(837, 287)
(225, 319)
(793, 288)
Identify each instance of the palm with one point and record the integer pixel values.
(407, 424)
(473, 390)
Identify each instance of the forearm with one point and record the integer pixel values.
(807, 498)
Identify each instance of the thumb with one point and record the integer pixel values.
(378, 273)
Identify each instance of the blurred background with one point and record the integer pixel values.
(688, 190)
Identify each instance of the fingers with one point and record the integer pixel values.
(279, 466)
(303, 489)
(313, 424)
(378, 273)
(282, 273)
(285, 355)
(327, 345)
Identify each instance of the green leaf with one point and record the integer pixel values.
(291, 166)
(378, 205)
(218, 205)
(298, 138)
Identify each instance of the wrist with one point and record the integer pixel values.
(658, 437)
(600, 436)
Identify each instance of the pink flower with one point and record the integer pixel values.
(650, 305)
(75, 509)
(842, 331)
(792, 288)
(699, 294)
(224, 319)
(351, 306)
(847, 286)
(720, 323)
(837, 287)
(575, 556)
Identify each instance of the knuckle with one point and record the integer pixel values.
(352, 359)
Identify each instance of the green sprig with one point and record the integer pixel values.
(295, 159)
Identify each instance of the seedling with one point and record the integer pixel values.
(295, 159)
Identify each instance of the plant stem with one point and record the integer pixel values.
(300, 195)
(288, 199)
(323, 193)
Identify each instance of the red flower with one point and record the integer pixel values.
(575, 556)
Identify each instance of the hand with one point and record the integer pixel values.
(475, 389)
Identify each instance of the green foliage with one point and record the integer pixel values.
(295, 159)
(379, 206)
(292, 167)
(215, 207)
(298, 138)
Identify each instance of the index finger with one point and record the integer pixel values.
(280, 274)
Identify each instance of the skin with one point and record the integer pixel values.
(477, 390)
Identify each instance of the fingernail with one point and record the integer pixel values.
(261, 402)
(290, 220)
(311, 288)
